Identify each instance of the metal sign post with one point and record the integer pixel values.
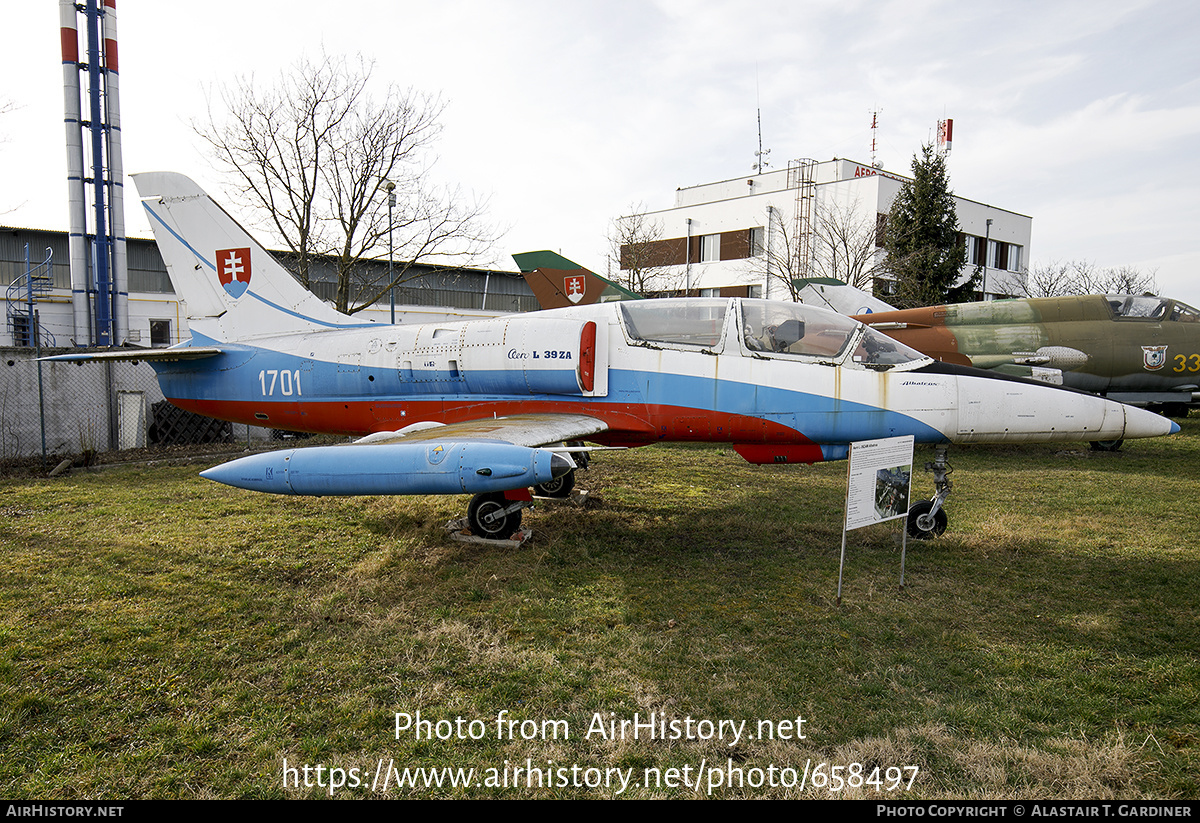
(878, 488)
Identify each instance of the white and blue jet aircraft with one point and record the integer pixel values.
(492, 407)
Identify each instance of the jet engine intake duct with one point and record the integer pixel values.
(521, 355)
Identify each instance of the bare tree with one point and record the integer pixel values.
(642, 257)
(313, 155)
(1058, 278)
(845, 246)
(841, 245)
(784, 259)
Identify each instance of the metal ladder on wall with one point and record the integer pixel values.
(23, 322)
(802, 178)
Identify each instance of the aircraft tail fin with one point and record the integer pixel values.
(840, 297)
(232, 287)
(557, 282)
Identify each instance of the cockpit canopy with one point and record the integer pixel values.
(1149, 307)
(764, 328)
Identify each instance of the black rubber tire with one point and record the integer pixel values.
(918, 509)
(483, 504)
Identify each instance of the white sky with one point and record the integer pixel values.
(1084, 115)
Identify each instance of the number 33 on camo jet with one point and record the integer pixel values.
(492, 407)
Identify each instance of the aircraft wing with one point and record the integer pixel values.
(149, 355)
(529, 430)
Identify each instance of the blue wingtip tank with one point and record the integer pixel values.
(395, 468)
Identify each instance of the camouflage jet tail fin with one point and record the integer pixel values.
(557, 282)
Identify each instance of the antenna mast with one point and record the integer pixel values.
(760, 156)
(761, 161)
(874, 132)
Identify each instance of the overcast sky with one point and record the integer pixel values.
(1084, 115)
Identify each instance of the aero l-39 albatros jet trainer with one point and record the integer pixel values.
(492, 407)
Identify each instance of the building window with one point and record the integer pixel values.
(976, 250)
(710, 248)
(1014, 258)
(160, 333)
(757, 244)
(1002, 256)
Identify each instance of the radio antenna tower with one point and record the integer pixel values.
(874, 132)
(760, 156)
(761, 161)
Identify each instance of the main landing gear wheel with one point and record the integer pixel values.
(488, 516)
(1106, 445)
(558, 487)
(923, 526)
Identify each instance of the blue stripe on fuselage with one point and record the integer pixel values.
(244, 373)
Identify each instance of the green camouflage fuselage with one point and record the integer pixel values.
(1143, 350)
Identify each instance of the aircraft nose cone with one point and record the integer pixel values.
(1142, 423)
(560, 465)
(258, 472)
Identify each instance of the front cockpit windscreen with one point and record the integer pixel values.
(773, 327)
(1184, 313)
(877, 351)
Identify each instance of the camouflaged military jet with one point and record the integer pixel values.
(1139, 350)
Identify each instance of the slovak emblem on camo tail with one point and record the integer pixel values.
(1155, 357)
(233, 270)
(574, 286)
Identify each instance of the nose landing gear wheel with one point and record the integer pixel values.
(488, 516)
(923, 527)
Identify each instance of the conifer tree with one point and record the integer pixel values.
(925, 253)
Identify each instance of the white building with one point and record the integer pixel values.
(736, 237)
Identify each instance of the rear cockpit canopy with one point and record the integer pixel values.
(1149, 307)
(764, 328)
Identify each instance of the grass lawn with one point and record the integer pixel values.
(163, 636)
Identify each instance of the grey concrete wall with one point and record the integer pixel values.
(86, 406)
(79, 404)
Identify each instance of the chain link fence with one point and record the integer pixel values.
(68, 409)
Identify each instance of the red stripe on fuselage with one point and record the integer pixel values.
(630, 424)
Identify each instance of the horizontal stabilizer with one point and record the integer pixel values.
(139, 355)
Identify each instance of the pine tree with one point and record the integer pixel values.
(924, 251)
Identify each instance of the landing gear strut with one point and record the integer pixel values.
(925, 517)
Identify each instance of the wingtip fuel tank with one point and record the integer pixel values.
(394, 468)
